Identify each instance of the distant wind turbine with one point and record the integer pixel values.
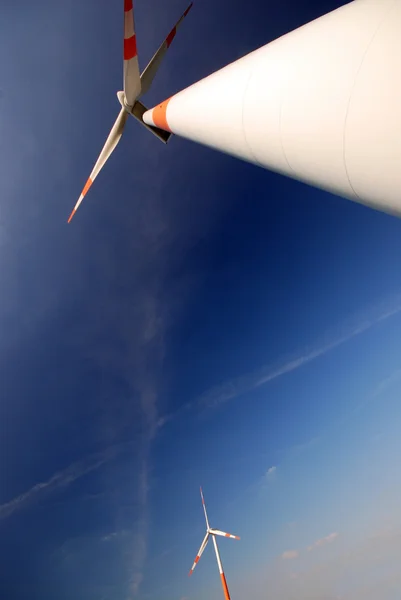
(213, 532)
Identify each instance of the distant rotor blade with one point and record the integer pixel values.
(222, 533)
(149, 73)
(111, 142)
(204, 508)
(200, 552)
(132, 79)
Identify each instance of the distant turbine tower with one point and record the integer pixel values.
(213, 533)
(321, 104)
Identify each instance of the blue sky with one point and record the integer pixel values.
(200, 322)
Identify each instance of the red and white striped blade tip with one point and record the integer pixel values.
(110, 144)
(74, 210)
(224, 534)
(82, 196)
(200, 552)
(197, 559)
(233, 537)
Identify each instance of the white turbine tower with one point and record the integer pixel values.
(135, 86)
(212, 533)
(321, 104)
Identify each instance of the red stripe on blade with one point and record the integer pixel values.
(171, 36)
(130, 49)
(127, 5)
(87, 186)
(188, 9)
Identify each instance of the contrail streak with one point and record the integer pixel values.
(60, 479)
(229, 390)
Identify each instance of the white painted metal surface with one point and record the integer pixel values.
(321, 104)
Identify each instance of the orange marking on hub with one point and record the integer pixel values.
(159, 115)
(130, 49)
(87, 186)
(127, 5)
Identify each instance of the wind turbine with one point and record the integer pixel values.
(135, 86)
(212, 533)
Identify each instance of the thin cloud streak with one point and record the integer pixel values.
(140, 539)
(61, 479)
(290, 554)
(219, 395)
(387, 383)
(270, 473)
(323, 541)
(322, 579)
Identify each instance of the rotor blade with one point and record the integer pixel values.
(149, 73)
(132, 79)
(222, 533)
(111, 142)
(204, 509)
(200, 552)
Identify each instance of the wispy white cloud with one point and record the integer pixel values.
(323, 541)
(384, 385)
(298, 448)
(140, 540)
(118, 279)
(79, 469)
(61, 479)
(290, 554)
(234, 388)
(114, 535)
(356, 573)
(229, 390)
(328, 539)
(387, 383)
(270, 473)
